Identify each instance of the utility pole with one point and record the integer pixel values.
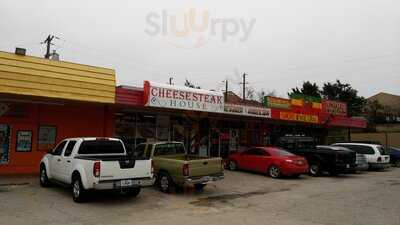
(170, 80)
(48, 44)
(244, 86)
(226, 90)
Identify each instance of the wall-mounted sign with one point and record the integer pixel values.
(275, 102)
(305, 101)
(47, 137)
(291, 116)
(247, 110)
(24, 141)
(334, 107)
(176, 97)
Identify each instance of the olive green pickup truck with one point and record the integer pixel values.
(174, 168)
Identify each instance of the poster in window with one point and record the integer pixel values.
(46, 137)
(24, 141)
(4, 143)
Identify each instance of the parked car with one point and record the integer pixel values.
(174, 168)
(95, 164)
(361, 162)
(275, 162)
(376, 155)
(334, 160)
(394, 156)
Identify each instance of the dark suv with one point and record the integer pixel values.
(332, 159)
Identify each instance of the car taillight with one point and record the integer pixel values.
(379, 159)
(185, 170)
(96, 169)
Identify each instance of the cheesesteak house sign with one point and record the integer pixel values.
(176, 97)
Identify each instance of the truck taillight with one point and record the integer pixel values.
(96, 169)
(185, 170)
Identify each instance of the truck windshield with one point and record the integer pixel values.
(101, 147)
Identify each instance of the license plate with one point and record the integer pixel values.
(125, 183)
(347, 166)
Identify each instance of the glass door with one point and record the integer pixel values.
(5, 132)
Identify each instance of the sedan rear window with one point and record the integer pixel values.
(101, 147)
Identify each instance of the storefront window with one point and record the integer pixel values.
(47, 137)
(4, 143)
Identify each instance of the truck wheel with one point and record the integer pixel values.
(44, 180)
(133, 192)
(232, 165)
(165, 182)
(315, 169)
(274, 172)
(199, 187)
(78, 191)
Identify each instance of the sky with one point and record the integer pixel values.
(277, 43)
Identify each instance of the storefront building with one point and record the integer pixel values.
(213, 124)
(44, 101)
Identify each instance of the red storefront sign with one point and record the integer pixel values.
(334, 107)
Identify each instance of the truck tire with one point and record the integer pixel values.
(315, 169)
(274, 172)
(232, 165)
(165, 182)
(44, 180)
(78, 191)
(199, 187)
(133, 192)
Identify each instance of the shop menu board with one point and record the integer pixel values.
(4, 143)
(47, 137)
(185, 98)
(24, 141)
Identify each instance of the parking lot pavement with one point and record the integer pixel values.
(242, 198)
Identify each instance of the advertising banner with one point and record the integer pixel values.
(275, 102)
(247, 110)
(177, 97)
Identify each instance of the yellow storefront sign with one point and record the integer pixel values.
(291, 116)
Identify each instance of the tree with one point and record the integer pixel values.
(191, 85)
(307, 88)
(344, 92)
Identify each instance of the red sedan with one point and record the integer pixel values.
(276, 162)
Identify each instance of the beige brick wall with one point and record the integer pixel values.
(393, 138)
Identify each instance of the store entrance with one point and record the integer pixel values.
(5, 132)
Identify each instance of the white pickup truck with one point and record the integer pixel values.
(95, 164)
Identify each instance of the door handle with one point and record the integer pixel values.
(58, 160)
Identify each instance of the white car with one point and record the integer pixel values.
(376, 155)
(95, 164)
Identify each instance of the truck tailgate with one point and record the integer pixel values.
(123, 169)
(204, 167)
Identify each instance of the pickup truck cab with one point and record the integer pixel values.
(376, 155)
(330, 159)
(174, 168)
(95, 164)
